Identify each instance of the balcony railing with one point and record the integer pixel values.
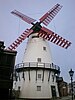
(37, 64)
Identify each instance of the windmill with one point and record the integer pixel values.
(36, 75)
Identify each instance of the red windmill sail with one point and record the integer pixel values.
(23, 17)
(42, 31)
(53, 37)
(47, 18)
(20, 39)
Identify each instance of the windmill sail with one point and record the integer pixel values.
(20, 39)
(54, 38)
(23, 17)
(47, 18)
(42, 31)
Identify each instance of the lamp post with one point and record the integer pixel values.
(71, 72)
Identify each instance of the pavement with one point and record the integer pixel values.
(61, 98)
(65, 98)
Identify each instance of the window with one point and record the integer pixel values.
(44, 48)
(38, 88)
(39, 59)
(39, 76)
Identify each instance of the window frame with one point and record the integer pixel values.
(39, 76)
(44, 48)
(39, 59)
(38, 88)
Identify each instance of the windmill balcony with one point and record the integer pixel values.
(36, 65)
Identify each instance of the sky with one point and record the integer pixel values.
(63, 24)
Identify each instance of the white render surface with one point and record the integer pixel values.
(28, 87)
(35, 50)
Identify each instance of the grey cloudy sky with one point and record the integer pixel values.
(63, 24)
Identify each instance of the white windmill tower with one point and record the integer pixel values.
(36, 74)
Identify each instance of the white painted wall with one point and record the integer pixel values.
(33, 51)
(29, 88)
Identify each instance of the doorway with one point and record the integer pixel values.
(53, 90)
